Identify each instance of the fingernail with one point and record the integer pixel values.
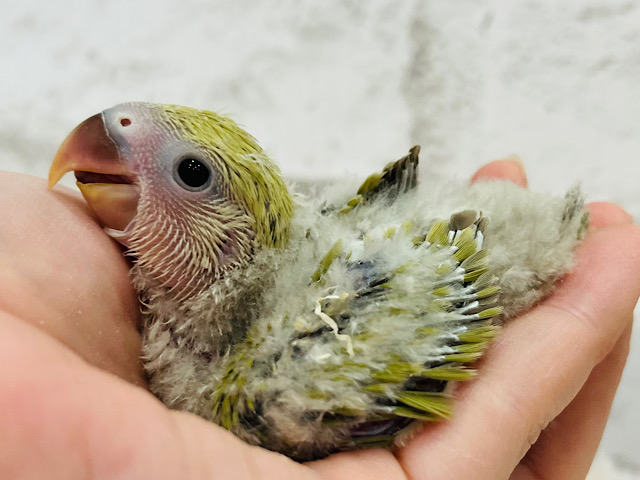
(517, 160)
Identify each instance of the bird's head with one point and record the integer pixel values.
(187, 191)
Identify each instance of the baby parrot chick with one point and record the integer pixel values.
(309, 325)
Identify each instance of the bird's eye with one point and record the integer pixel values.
(192, 174)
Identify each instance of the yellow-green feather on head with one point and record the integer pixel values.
(257, 182)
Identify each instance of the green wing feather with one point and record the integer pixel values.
(396, 178)
(451, 324)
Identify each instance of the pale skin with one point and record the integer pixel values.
(73, 402)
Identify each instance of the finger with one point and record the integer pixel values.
(376, 464)
(536, 367)
(565, 449)
(62, 274)
(511, 169)
(604, 214)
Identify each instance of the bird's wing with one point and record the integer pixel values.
(350, 352)
(396, 178)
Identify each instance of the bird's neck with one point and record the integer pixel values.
(211, 321)
(185, 342)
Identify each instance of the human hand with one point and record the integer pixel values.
(69, 354)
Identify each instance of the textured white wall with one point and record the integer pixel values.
(341, 87)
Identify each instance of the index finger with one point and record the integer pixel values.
(62, 274)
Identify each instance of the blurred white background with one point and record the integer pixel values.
(340, 87)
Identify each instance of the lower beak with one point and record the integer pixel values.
(102, 176)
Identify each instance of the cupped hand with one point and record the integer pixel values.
(73, 402)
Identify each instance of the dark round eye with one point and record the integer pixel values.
(193, 174)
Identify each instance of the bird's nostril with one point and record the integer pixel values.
(125, 122)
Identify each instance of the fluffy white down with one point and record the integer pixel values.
(188, 347)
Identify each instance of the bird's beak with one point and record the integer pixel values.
(102, 176)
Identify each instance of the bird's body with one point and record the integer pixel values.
(310, 325)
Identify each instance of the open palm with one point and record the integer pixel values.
(73, 402)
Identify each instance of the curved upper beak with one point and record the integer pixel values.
(102, 176)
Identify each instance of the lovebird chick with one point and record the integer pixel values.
(309, 325)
